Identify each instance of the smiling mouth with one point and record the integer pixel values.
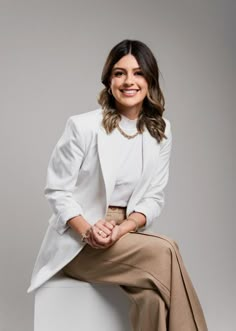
(129, 92)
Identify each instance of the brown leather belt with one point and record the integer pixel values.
(116, 208)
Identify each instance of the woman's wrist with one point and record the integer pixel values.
(126, 227)
(132, 223)
(135, 223)
(86, 235)
(138, 220)
(79, 225)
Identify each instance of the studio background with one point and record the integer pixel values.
(52, 54)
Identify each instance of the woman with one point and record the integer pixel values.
(105, 184)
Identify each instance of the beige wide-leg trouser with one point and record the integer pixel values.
(149, 268)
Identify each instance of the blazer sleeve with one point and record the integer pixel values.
(62, 174)
(153, 200)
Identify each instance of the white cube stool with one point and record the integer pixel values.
(66, 304)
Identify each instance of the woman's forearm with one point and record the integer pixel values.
(133, 222)
(79, 224)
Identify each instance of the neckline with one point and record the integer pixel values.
(127, 123)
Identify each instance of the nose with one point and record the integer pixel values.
(129, 79)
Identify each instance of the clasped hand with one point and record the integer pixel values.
(103, 234)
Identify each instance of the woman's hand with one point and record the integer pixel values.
(103, 234)
(100, 235)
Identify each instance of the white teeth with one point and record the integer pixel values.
(130, 92)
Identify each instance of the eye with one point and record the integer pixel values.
(118, 73)
(139, 73)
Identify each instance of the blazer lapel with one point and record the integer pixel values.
(109, 156)
(151, 151)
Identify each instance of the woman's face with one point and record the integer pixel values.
(128, 85)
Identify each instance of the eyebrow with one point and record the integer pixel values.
(119, 68)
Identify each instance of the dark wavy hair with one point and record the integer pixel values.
(154, 102)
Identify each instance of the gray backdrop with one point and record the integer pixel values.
(52, 53)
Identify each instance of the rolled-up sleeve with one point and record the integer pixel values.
(153, 200)
(62, 174)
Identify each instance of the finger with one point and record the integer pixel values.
(101, 241)
(100, 222)
(95, 244)
(91, 242)
(105, 223)
(92, 239)
(115, 234)
(109, 241)
(110, 225)
(98, 238)
(101, 233)
(103, 230)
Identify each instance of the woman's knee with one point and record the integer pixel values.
(160, 249)
(171, 242)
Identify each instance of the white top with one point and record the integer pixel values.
(131, 162)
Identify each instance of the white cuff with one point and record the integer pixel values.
(59, 222)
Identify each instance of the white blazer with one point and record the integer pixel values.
(80, 179)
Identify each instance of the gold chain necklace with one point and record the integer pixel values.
(127, 135)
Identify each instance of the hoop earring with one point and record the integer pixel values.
(109, 91)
